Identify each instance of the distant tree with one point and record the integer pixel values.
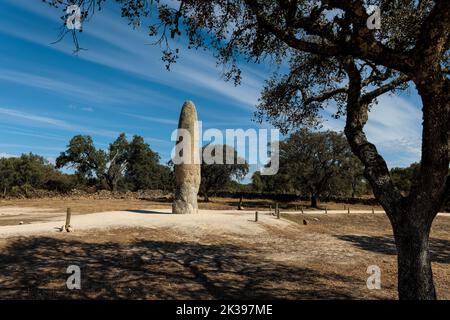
(217, 176)
(29, 172)
(9, 175)
(133, 163)
(403, 178)
(352, 177)
(257, 182)
(118, 155)
(143, 169)
(313, 161)
(82, 156)
(32, 172)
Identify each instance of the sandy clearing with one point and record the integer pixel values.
(223, 221)
(211, 221)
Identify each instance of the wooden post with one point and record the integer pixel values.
(256, 216)
(373, 211)
(276, 208)
(301, 208)
(278, 214)
(68, 215)
(326, 210)
(348, 210)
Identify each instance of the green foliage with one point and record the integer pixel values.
(29, 172)
(82, 156)
(131, 165)
(257, 182)
(220, 174)
(144, 170)
(316, 164)
(403, 178)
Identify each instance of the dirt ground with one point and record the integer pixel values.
(214, 255)
(31, 210)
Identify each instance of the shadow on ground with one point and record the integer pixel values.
(35, 268)
(148, 211)
(439, 248)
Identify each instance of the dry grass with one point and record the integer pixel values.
(96, 205)
(325, 259)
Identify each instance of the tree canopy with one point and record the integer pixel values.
(218, 176)
(132, 163)
(19, 175)
(315, 164)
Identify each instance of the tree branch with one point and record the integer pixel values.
(288, 37)
(376, 170)
(368, 97)
(325, 96)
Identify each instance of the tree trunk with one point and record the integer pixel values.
(415, 277)
(114, 186)
(314, 201)
(411, 217)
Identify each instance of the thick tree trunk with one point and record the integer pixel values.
(411, 217)
(415, 277)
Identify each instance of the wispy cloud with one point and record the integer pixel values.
(394, 126)
(126, 50)
(38, 120)
(164, 121)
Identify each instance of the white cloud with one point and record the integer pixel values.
(159, 120)
(126, 50)
(7, 155)
(38, 120)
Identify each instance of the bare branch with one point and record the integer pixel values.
(368, 97)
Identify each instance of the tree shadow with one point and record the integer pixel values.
(439, 248)
(148, 211)
(35, 268)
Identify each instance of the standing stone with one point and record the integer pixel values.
(187, 171)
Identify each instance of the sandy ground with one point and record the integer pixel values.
(38, 220)
(206, 221)
(151, 254)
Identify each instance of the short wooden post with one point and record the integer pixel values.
(348, 210)
(68, 215)
(256, 216)
(278, 214)
(276, 208)
(373, 211)
(326, 210)
(301, 208)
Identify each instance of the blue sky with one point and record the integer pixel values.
(120, 84)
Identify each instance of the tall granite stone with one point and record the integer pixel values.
(187, 171)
